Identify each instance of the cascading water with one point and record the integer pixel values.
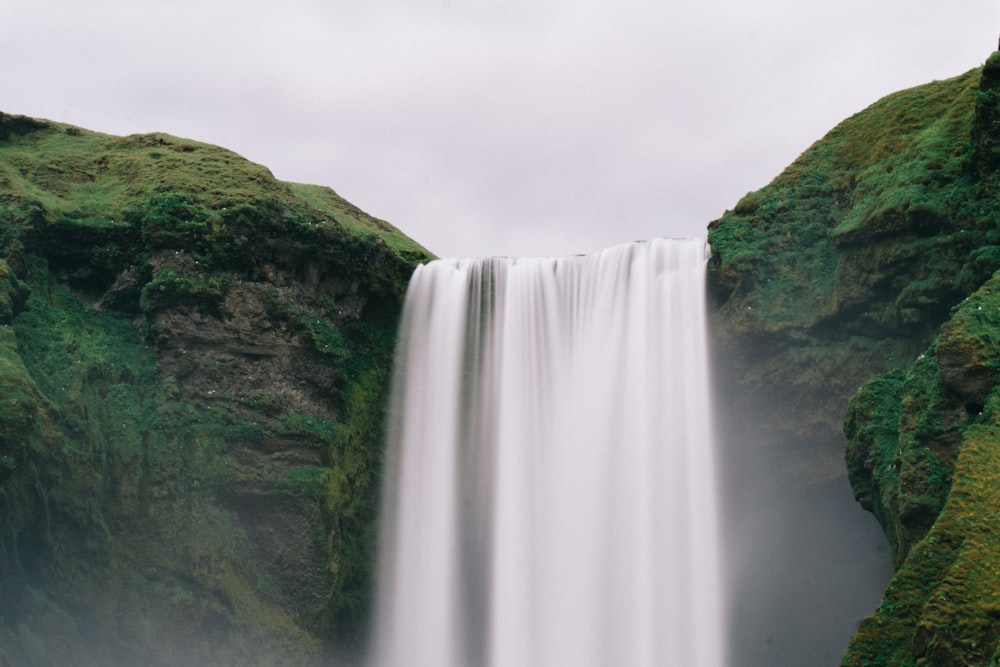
(550, 492)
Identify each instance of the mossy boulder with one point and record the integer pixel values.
(968, 350)
(193, 364)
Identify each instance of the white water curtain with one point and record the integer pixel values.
(550, 493)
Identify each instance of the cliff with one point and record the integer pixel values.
(870, 262)
(193, 366)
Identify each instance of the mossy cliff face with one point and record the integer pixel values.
(924, 455)
(870, 262)
(193, 365)
(848, 262)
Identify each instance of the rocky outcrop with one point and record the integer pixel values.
(193, 366)
(922, 450)
(968, 352)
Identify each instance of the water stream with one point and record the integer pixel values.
(550, 491)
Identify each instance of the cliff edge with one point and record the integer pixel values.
(194, 364)
(870, 262)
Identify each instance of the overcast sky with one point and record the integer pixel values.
(515, 127)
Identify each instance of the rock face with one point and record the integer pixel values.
(922, 450)
(871, 262)
(193, 366)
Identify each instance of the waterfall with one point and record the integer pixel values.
(550, 493)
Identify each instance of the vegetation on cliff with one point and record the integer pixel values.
(193, 367)
(874, 254)
(850, 260)
(923, 454)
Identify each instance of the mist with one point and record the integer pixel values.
(804, 563)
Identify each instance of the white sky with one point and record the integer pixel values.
(515, 127)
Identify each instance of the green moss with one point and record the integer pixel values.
(357, 221)
(20, 400)
(898, 168)
(901, 437)
(873, 452)
(100, 381)
(166, 192)
(294, 423)
(170, 286)
(930, 474)
(326, 338)
(943, 605)
(351, 485)
(13, 293)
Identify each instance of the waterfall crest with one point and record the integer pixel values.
(550, 488)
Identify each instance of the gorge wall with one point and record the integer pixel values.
(869, 262)
(193, 364)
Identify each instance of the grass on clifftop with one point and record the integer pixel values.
(897, 168)
(68, 174)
